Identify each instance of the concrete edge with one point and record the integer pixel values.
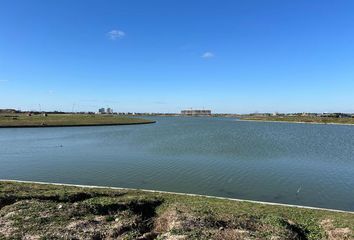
(182, 194)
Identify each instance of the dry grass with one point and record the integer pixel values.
(336, 233)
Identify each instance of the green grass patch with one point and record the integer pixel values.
(58, 120)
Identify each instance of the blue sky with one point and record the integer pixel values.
(166, 55)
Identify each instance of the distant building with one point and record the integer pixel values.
(337, 115)
(196, 112)
(344, 115)
(109, 111)
(8, 111)
(102, 110)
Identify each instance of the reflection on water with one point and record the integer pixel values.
(213, 156)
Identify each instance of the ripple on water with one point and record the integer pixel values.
(214, 156)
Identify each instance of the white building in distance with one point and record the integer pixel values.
(109, 111)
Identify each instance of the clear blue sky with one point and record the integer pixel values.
(166, 55)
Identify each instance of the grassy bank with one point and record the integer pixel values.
(62, 120)
(34, 211)
(302, 119)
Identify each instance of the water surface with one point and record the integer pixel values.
(304, 164)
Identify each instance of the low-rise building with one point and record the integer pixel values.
(196, 112)
(109, 111)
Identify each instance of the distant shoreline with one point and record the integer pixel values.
(280, 121)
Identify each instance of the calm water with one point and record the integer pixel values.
(302, 164)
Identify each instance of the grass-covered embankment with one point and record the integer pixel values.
(64, 120)
(300, 119)
(34, 211)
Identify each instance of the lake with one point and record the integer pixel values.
(303, 164)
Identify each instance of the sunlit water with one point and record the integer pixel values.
(302, 164)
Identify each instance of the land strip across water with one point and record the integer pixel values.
(67, 120)
(299, 119)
